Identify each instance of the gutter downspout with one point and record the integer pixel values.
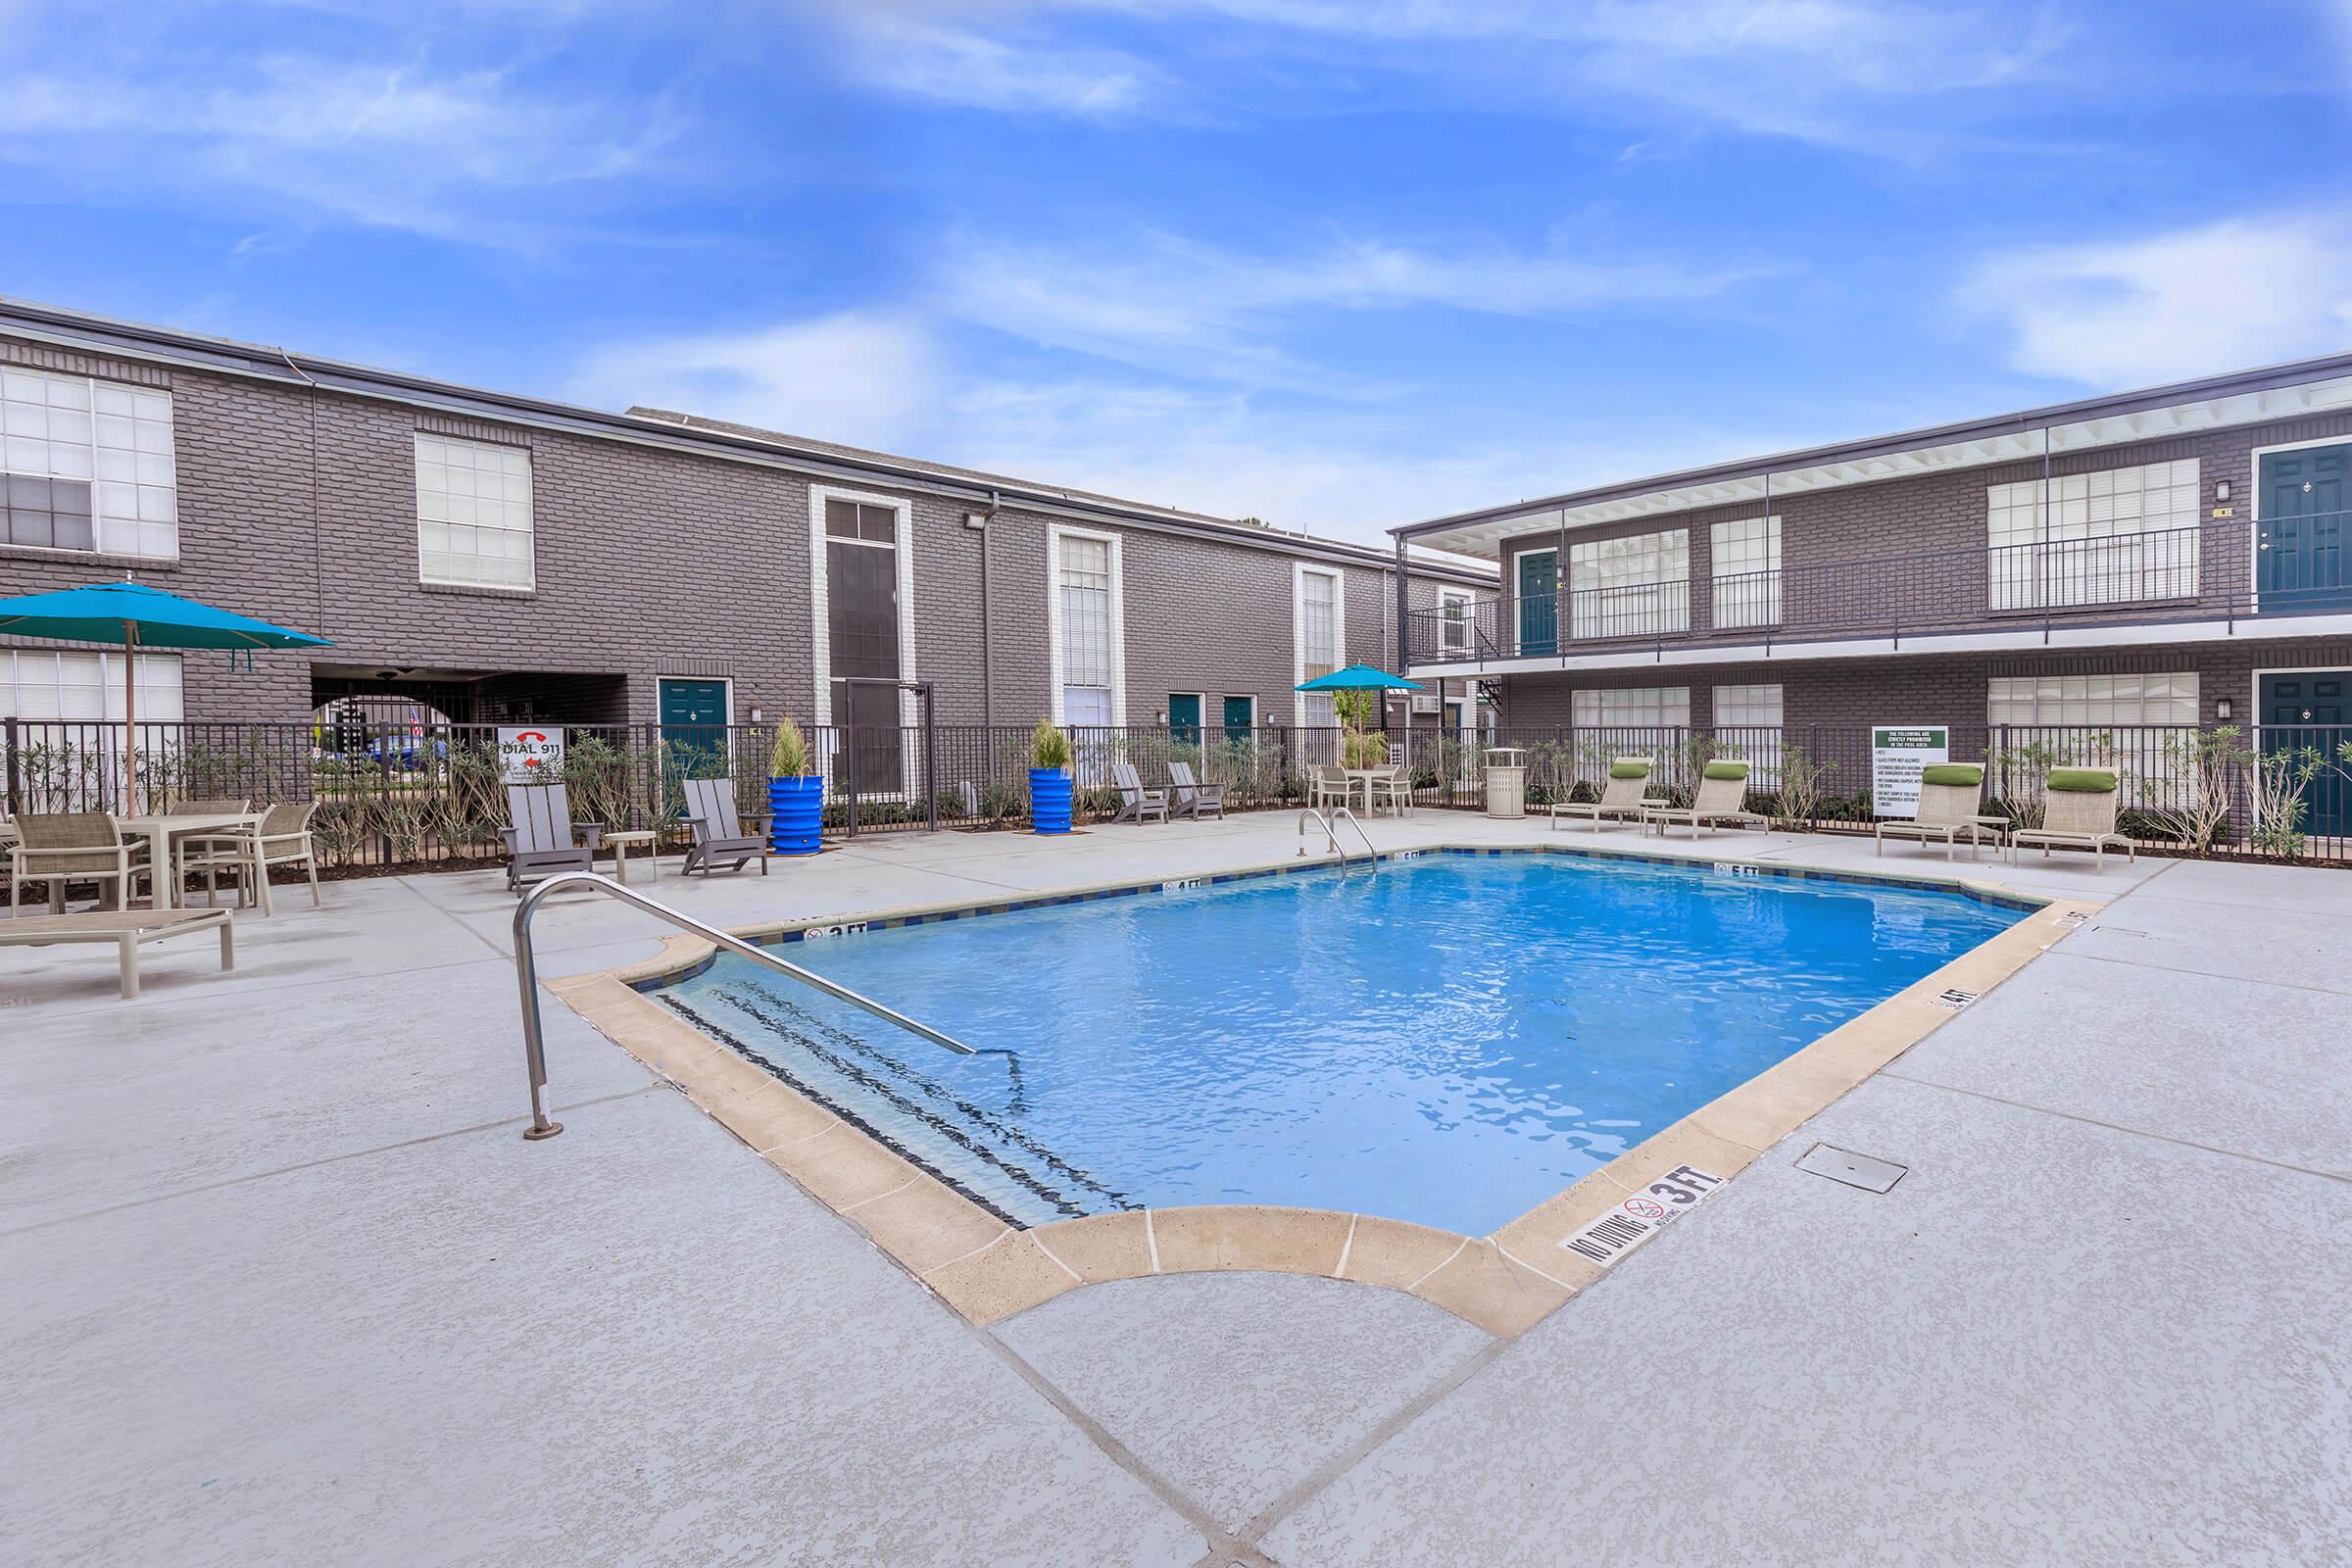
(988, 690)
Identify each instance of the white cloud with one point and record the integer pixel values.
(2240, 292)
(405, 145)
(1348, 471)
(1868, 75)
(865, 380)
(1193, 310)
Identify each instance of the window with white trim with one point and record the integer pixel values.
(1747, 726)
(1636, 586)
(86, 465)
(2097, 702)
(1318, 612)
(38, 686)
(2110, 537)
(1084, 584)
(1455, 621)
(1746, 566)
(473, 512)
(1633, 707)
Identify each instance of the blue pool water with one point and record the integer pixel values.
(1449, 1040)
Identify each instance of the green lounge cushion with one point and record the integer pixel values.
(2083, 780)
(1953, 774)
(1629, 770)
(1727, 770)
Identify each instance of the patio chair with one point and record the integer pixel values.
(1137, 802)
(1330, 783)
(282, 837)
(1622, 797)
(2079, 814)
(1722, 798)
(1189, 796)
(718, 833)
(1949, 794)
(543, 839)
(1390, 788)
(62, 847)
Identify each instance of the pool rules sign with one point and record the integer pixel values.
(1899, 752)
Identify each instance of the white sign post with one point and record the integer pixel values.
(527, 754)
(1897, 755)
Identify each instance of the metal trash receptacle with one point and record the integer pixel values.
(1506, 783)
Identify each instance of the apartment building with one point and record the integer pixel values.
(492, 558)
(2168, 556)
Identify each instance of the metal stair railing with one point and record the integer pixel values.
(527, 979)
(1329, 822)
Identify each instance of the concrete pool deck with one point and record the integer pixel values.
(283, 1283)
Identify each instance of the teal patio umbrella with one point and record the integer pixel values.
(1358, 679)
(131, 616)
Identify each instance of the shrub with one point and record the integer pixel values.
(788, 754)
(1049, 746)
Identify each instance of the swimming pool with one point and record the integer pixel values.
(1449, 1040)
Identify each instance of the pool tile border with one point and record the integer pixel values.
(987, 1269)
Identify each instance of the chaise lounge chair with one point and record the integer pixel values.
(2079, 814)
(1189, 797)
(1137, 802)
(1621, 798)
(1722, 798)
(1949, 794)
(543, 839)
(718, 833)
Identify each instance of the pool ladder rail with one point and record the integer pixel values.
(1329, 822)
(526, 978)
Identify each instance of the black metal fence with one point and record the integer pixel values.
(406, 794)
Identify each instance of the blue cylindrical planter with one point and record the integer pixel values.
(797, 807)
(1048, 800)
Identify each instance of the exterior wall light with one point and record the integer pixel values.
(2221, 492)
(2220, 707)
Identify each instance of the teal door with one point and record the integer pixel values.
(1539, 603)
(693, 726)
(2305, 710)
(2302, 540)
(1241, 716)
(1184, 717)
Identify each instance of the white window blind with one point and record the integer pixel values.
(38, 686)
(1086, 630)
(1456, 622)
(1746, 564)
(1747, 726)
(2101, 701)
(86, 465)
(2110, 537)
(1318, 623)
(1646, 708)
(473, 512)
(1638, 586)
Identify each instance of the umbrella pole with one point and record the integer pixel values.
(131, 719)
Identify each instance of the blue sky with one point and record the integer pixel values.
(1339, 264)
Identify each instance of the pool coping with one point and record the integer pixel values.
(1504, 1282)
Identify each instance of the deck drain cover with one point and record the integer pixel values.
(1855, 1170)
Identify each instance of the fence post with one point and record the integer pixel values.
(930, 759)
(15, 777)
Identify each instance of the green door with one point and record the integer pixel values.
(2305, 710)
(693, 726)
(1539, 603)
(1241, 713)
(1184, 717)
(2302, 546)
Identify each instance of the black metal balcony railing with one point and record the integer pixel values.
(2222, 570)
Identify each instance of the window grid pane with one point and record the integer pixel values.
(1636, 586)
(1318, 625)
(104, 448)
(1747, 726)
(1746, 571)
(473, 512)
(2117, 535)
(1086, 632)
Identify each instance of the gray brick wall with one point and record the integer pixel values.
(300, 505)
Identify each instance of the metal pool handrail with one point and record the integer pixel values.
(1329, 822)
(526, 978)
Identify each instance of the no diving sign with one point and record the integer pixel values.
(1640, 1217)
